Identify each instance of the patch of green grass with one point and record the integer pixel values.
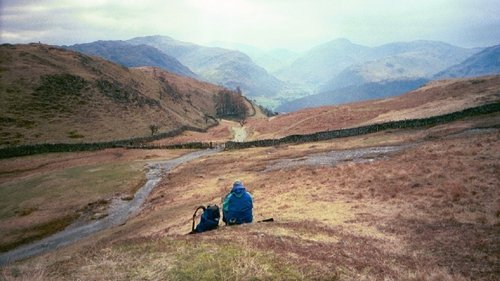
(72, 185)
(173, 259)
(209, 261)
(58, 195)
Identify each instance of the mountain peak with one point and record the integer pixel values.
(341, 40)
(336, 45)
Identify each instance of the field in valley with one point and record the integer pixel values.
(417, 204)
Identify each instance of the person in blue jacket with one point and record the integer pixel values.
(237, 207)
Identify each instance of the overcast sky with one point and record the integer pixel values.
(292, 24)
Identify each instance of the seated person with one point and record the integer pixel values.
(237, 206)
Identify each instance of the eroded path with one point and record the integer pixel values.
(335, 157)
(119, 212)
(240, 134)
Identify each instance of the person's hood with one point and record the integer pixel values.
(238, 189)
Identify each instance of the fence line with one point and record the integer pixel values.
(342, 133)
(24, 150)
(139, 142)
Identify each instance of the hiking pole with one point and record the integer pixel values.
(267, 220)
(194, 217)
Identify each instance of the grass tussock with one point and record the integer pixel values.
(23, 273)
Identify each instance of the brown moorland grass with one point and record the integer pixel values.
(435, 98)
(54, 95)
(217, 134)
(428, 212)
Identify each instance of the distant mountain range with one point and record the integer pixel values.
(322, 63)
(353, 93)
(387, 70)
(400, 61)
(485, 62)
(361, 72)
(133, 55)
(272, 60)
(225, 67)
(341, 63)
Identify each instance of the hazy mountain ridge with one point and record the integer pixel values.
(323, 62)
(271, 60)
(401, 61)
(52, 94)
(486, 62)
(133, 55)
(353, 93)
(320, 66)
(217, 65)
(361, 72)
(338, 64)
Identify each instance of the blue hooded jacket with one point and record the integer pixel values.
(238, 205)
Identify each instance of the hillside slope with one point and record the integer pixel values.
(486, 62)
(403, 205)
(51, 94)
(353, 93)
(271, 60)
(220, 66)
(133, 55)
(435, 98)
(323, 62)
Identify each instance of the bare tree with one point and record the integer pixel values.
(154, 129)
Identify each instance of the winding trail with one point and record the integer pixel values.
(119, 212)
(240, 134)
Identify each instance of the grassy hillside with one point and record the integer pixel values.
(50, 94)
(353, 93)
(133, 55)
(401, 204)
(84, 184)
(486, 62)
(221, 66)
(435, 98)
(384, 216)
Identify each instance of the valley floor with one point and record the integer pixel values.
(396, 205)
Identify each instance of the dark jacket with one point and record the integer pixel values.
(238, 205)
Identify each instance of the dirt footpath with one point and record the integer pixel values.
(240, 134)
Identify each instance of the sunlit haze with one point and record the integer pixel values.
(268, 24)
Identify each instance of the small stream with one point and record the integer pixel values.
(119, 212)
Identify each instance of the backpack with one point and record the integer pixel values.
(209, 219)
